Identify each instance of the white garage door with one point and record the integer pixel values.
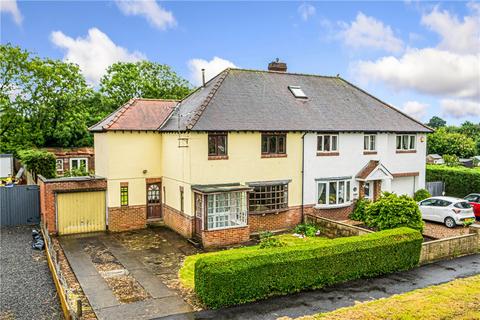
(404, 185)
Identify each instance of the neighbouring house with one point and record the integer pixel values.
(435, 159)
(252, 151)
(476, 161)
(467, 162)
(6, 165)
(73, 158)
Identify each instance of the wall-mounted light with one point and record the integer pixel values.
(422, 139)
(144, 171)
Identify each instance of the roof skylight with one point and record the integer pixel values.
(297, 92)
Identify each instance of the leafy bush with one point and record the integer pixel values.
(271, 242)
(459, 181)
(76, 172)
(450, 160)
(39, 162)
(393, 211)
(231, 278)
(359, 212)
(307, 229)
(421, 194)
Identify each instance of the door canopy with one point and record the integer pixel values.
(374, 170)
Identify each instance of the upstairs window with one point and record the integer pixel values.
(274, 143)
(297, 92)
(327, 143)
(406, 142)
(217, 144)
(370, 142)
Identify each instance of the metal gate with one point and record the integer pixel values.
(19, 205)
(79, 212)
(435, 188)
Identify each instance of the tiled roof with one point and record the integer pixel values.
(80, 151)
(253, 100)
(137, 114)
(369, 167)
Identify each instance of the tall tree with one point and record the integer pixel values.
(451, 143)
(42, 101)
(436, 122)
(126, 80)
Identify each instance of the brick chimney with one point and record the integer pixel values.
(277, 66)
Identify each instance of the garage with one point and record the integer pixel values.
(404, 185)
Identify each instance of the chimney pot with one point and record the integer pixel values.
(277, 65)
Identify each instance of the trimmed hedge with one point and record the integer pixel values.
(233, 278)
(459, 181)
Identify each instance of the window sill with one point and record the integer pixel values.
(369, 152)
(328, 154)
(263, 213)
(406, 151)
(276, 155)
(218, 157)
(332, 206)
(226, 228)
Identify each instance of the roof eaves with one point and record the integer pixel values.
(120, 112)
(102, 129)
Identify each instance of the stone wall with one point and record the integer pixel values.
(225, 237)
(335, 229)
(453, 247)
(178, 221)
(276, 221)
(337, 214)
(127, 218)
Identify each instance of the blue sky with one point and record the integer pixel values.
(422, 57)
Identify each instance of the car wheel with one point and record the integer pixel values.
(449, 222)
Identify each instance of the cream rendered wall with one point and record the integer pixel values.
(122, 157)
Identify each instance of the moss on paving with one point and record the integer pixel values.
(186, 273)
(455, 300)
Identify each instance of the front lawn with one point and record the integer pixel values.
(453, 300)
(186, 273)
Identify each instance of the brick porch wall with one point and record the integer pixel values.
(178, 221)
(127, 218)
(275, 221)
(337, 214)
(225, 237)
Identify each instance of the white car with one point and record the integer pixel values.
(448, 210)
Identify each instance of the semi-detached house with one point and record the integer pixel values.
(252, 151)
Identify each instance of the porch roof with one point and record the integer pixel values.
(374, 170)
(217, 188)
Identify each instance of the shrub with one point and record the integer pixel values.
(459, 181)
(233, 277)
(421, 194)
(307, 229)
(39, 162)
(77, 172)
(393, 211)
(271, 242)
(359, 212)
(451, 160)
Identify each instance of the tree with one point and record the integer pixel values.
(42, 101)
(126, 80)
(452, 143)
(436, 122)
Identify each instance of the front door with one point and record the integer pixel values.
(198, 215)
(154, 204)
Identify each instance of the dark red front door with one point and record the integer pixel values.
(154, 204)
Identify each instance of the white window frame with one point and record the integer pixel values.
(221, 219)
(323, 138)
(79, 160)
(368, 139)
(328, 183)
(57, 163)
(406, 141)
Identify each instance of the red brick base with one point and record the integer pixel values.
(337, 214)
(225, 237)
(127, 218)
(178, 221)
(275, 221)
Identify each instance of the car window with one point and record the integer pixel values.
(472, 198)
(428, 202)
(443, 203)
(462, 205)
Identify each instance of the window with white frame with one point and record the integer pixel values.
(225, 210)
(59, 164)
(333, 192)
(370, 142)
(406, 142)
(77, 163)
(327, 143)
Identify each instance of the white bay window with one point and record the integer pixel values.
(225, 210)
(332, 192)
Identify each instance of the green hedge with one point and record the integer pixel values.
(233, 278)
(39, 162)
(459, 181)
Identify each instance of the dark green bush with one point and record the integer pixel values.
(307, 229)
(359, 212)
(421, 194)
(232, 277)
(39, 162)
(459, 181)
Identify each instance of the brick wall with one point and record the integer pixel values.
(335, 229)
(275, 221)
(49, 187)
(337, 214)
(127, 218)
(178, 221)
(225, 237)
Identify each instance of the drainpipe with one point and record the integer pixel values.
(303, 173)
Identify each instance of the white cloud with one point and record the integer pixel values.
(10, 6)
(212, 68)
(306, 11)
(415, 109)
(93, 53)
(150, 9)
(368, 32)
(430, 71)
(457, 108)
